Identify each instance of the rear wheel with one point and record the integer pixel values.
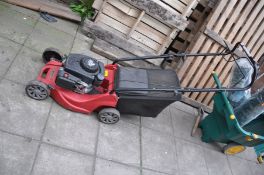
(109, 116)
(37, 90)
(52, 54)
(233, 148)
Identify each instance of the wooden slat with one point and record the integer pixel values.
(187, 62)
(257, 35)
(257, 46)
(97, 4)
(189, 7)
(233, 18)
(216, 13)
(156, 24)
(124, 29)
(249, 22)
(241, 20)
(224, 16)
(167, 41)
(197, 60)
(178, 5)
(124, 8)
(204, 72)
(135, 24)
(253, 27)
(156, 10)
(129, 21)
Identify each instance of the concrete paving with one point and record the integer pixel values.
(42, 138)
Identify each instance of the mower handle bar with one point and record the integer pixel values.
(190, 89)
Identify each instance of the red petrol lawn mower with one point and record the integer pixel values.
(83, 84)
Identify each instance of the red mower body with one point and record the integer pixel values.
(83, 103)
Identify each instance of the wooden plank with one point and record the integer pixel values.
(196, 104)
(154, 23)
(151, 32)
(135, 24)
(125, 8)
(249, 22)
(116, 38)
(202, 82)
(51, 8)
(202, 74)
(102, 7)
(195, 66)
(224, 15)
(216, 13)
(97, 4)
(188, 61)
(189, 7)
(124, 29)
(257, 47)
(167, 41)
(129, 21)
(256, 36)
(253, 27)
(232, 19)
(210, 81)
(241, 20)
(157, 11)
(221, 41)
(178, 5)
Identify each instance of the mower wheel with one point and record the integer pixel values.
(37, 90)
(52, 54)
(109, 116)
(233, 148)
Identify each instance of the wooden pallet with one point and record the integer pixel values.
(153, 31)
(232, 21)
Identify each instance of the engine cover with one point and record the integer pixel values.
(86, 68)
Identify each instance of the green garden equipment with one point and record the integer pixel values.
(223, 126)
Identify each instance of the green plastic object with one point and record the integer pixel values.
(222, 126)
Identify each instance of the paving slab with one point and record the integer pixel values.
(57, 161)
(190, 158)
(27, 12)
(130, 118)
(239, 166)
(256, 168)
(149, 172)
(104, 167)
(158, 152)
(45, 36)
(119, 142)
(217, 163)
(16, 154)
(183, 107)
(162, 123)
(248, 154)
(15, 25)
(182, 124)
(19, 114)
(8, 51)
(71, 130)
(62, 25)
(26, 66)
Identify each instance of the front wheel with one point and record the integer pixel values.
(37, 90)
(109, 116)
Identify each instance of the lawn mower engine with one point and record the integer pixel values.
(80, 74)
